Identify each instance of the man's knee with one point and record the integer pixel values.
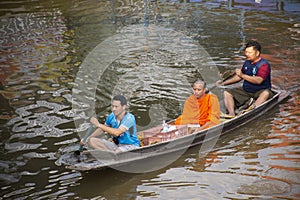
(92, 142)
(265, 94)
(227, 94)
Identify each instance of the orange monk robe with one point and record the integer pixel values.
(200, 111)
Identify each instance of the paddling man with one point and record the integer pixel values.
(200, 108)
(256, 73)
(120, 124)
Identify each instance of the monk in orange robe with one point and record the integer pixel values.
(200, 108)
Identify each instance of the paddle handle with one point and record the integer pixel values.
(211, 88)
(87, 134)
(225, 76)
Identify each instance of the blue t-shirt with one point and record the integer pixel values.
(252, 70)
(128, 121)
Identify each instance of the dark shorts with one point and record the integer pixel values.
(241, 96)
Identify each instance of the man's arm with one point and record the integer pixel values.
(236, 78)
(113, 131)
(110, 130)
(252, 79)
(262, 74)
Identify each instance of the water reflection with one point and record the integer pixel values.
(247, 161)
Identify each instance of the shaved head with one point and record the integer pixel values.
(198, 81)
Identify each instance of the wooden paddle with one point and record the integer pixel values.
(87, 134)
(224, 76)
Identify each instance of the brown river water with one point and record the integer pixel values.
(61, 61)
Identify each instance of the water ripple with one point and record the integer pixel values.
(18, 192)
(17, 146)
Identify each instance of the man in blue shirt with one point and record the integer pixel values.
(256, 73)
(120, 124)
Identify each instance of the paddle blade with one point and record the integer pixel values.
(79, 150)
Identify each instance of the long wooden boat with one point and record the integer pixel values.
(161, 149)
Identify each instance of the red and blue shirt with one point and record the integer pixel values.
(262, 69)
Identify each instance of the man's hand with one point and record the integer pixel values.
(219, 83)
(95, 122)
(239, 72)
(82, 142)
